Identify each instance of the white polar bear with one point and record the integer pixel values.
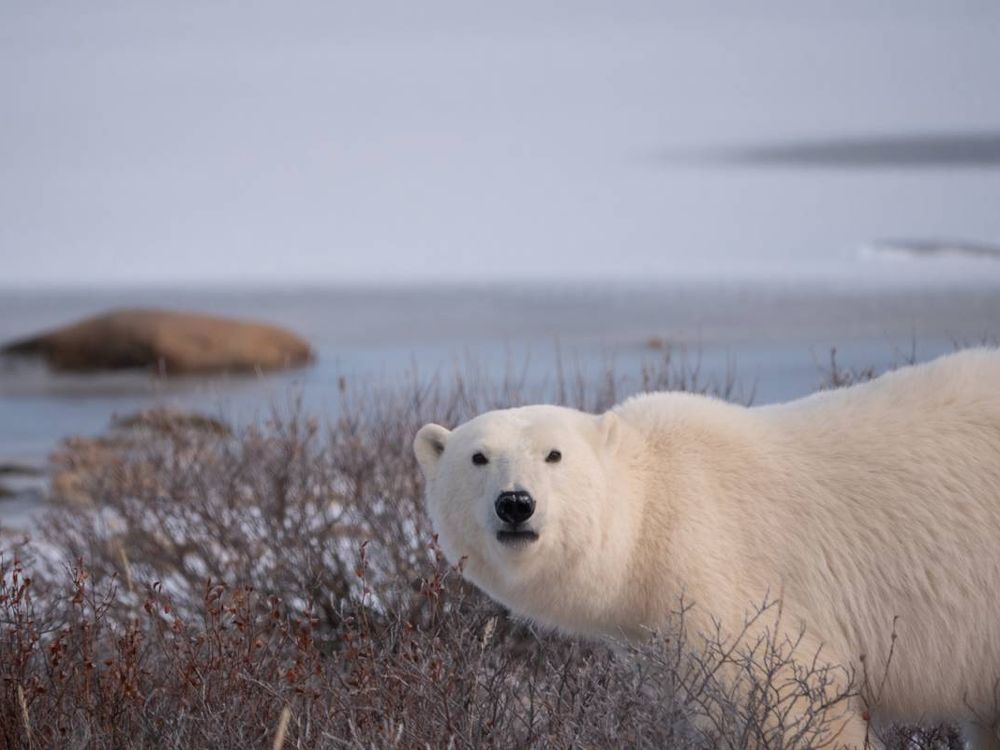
(859, 505)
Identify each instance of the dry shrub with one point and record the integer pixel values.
(835, 375)
(212, 587)
(449, 672)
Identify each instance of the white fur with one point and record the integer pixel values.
(859, 505)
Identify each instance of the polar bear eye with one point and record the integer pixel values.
(479, 459)
(554, 457)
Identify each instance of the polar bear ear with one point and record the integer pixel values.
(610, 429)
(429, 444)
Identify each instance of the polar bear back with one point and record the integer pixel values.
(866, 506)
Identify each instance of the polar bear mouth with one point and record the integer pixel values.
(519, 537)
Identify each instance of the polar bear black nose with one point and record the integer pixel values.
(514, 507)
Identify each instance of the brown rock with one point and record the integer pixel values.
(169, 342)
(20, 470)
(80, 466)
(167, 421)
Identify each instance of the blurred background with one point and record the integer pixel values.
(412, 187)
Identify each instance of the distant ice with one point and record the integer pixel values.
(975, 150)
(917, 249)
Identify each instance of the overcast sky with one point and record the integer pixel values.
(242, 142)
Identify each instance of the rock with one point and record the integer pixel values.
(20, 470)
(81, 460)
(168, 342)
(81, 466)
(164, 420)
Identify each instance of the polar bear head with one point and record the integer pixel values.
(526, 498)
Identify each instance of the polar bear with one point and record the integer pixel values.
(864, 506)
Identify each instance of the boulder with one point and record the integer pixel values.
(166, 421)
(129, 450)
(167, 342)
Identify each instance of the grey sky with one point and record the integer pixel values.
(247, 142)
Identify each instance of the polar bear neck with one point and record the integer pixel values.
(695, 453)
(680, 456)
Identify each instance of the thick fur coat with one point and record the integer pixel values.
(862, 507)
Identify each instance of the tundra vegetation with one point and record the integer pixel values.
(278, 585)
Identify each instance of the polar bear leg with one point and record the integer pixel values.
(855, 735)
(980, 737)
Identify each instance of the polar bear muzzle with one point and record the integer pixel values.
(514, 509)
